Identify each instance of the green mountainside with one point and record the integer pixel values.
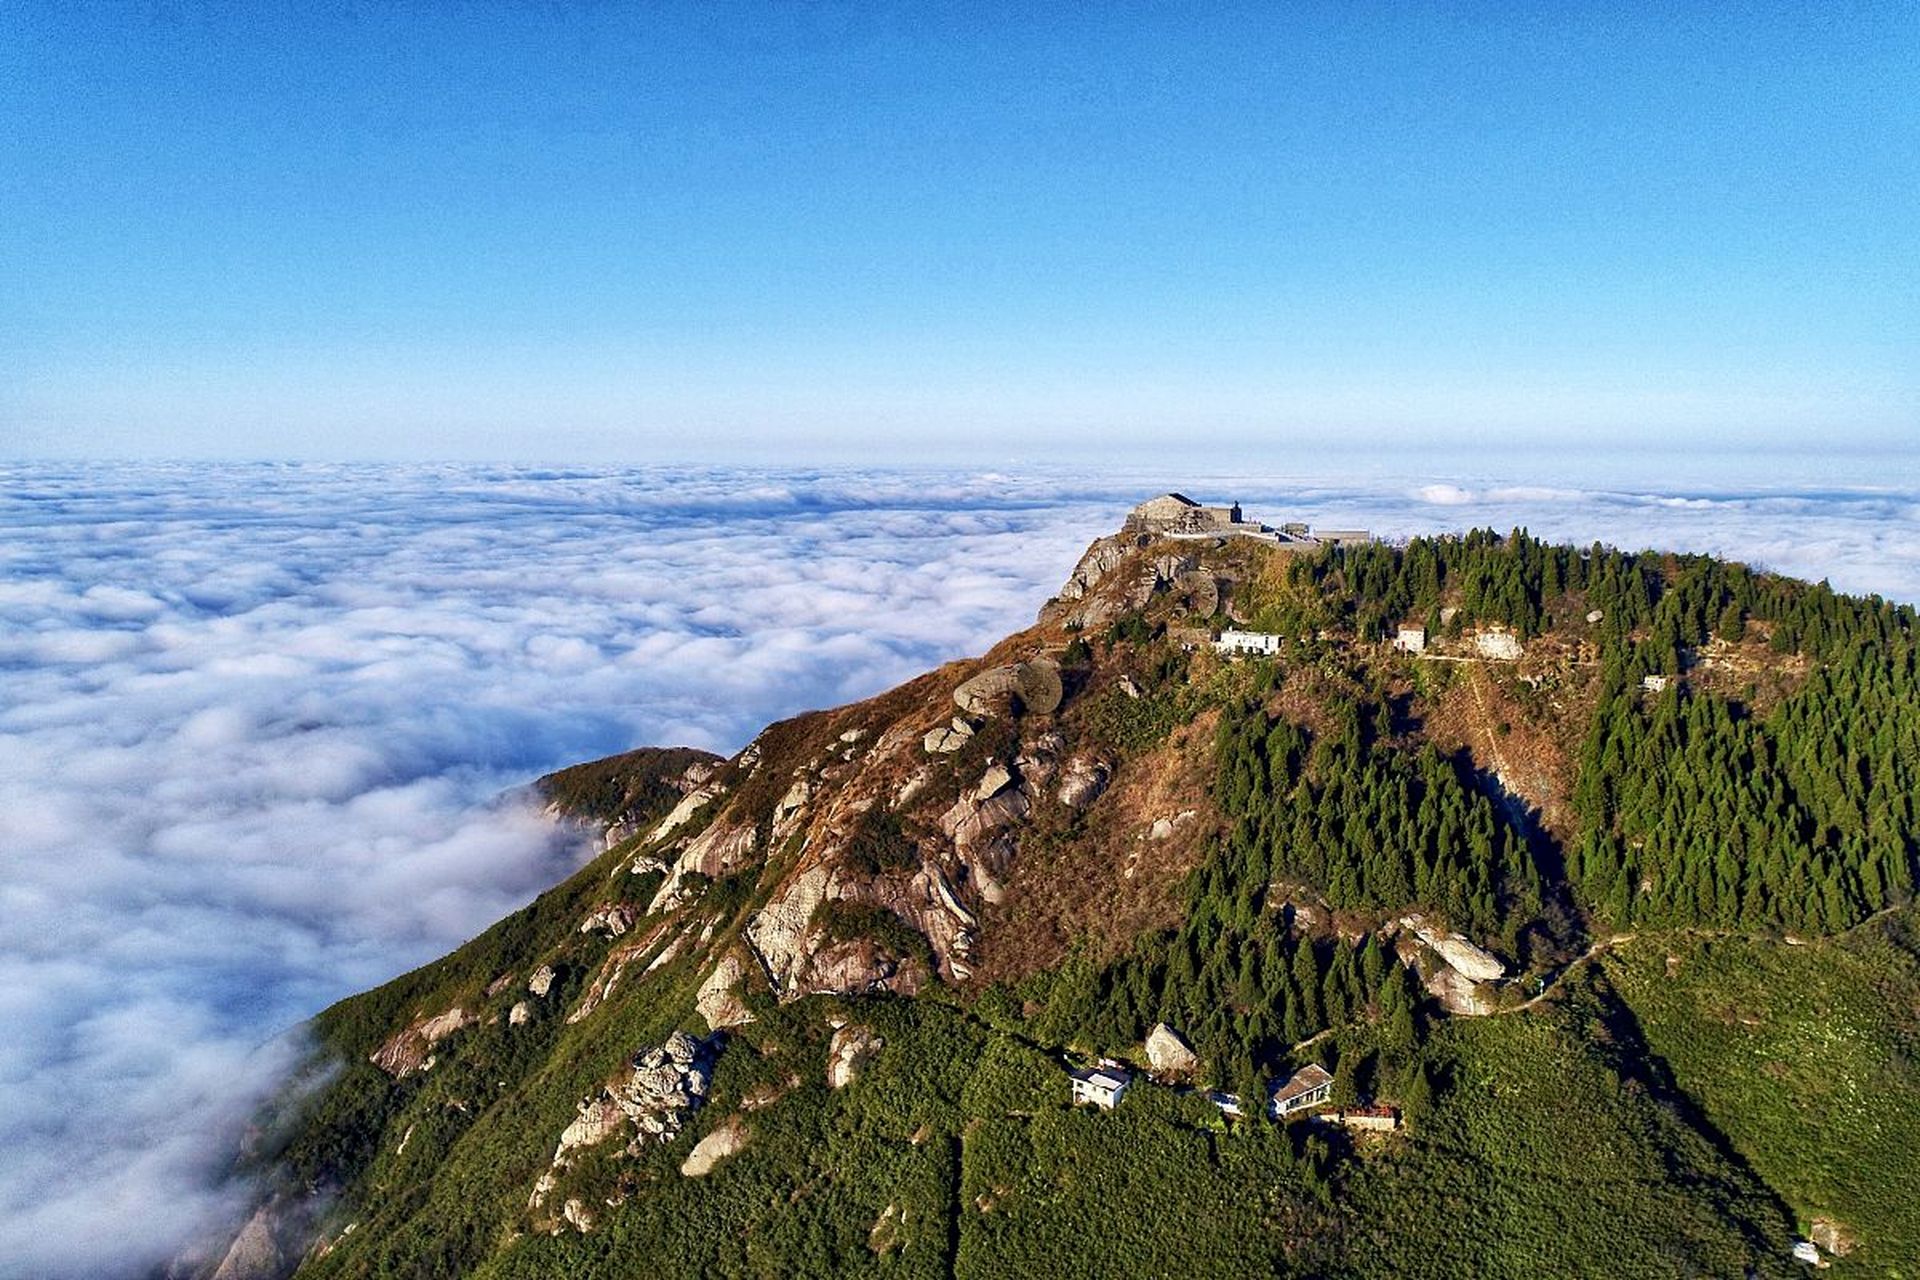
(1589, 870)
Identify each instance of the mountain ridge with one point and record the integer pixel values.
(1103, 824)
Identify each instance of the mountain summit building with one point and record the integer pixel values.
(1175, 515)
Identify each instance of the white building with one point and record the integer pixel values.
(1411, 640)
(1653, 684)
(1260, 642)
(1102, 1086)
(1308, 1087)
(1228, 1103)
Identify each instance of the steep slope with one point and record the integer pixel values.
(687, 1051)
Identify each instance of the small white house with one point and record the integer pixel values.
(1102, 1086)
(1260, 642)
(1308, 1087)
(1411, 640)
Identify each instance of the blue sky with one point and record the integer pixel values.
(637, 232)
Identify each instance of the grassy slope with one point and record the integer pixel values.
(1551, 1153)
(1806, 1058)
(1538, 1159)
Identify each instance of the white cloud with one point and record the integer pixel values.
(255, 720)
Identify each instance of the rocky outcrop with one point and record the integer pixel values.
(682, 813)
(613, 968)
(1168, 1053)
(663, 1089)
(1082, 780)
(411, 1050)
(1032, 687)
(778, 933)
(542, 981)
(850, 1048)
(945, 739)
(1163, 828)
(1498, 645)
(1094, 565)
(520, 1015)
(1457, 993)
(716, 851)
(271, 1244)
(612, 920)
(1833, 1236)
(858, 966)
(996, 779)
(729, 1139)
(1469, 961)
(719, 999)
(981, 831)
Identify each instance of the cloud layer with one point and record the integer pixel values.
(255, 721)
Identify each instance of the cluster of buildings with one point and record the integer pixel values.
(1311, 1086)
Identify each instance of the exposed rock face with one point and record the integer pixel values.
(1033, 687)
(980, 830)
(857, 967)
(613, 968)
(719, 998)
(721, 848)
(779, 932)
(1469, 961)
(578, 1216)
(520, 1015)
(792, 808)
(946, 739)
(270, 1246)
(409, 1050)
(598, 1119)
(1833, 1236)
(612, 920)
(683, 812)
(1082, 781)
(542, 981)
(996, 779)
(1457, 993)
(1163, 828)
(729, 1139)
(851, 1046)
(1168, 1053)
(1094, 563)
(665, 1087)
(1500, 646)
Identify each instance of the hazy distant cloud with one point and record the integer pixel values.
(256, 719)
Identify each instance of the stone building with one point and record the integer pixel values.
(1177, 513)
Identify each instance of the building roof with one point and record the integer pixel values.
(1105, 1077)
(1305, 1080)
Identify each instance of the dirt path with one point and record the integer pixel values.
(1476, 680)
(1566, 969)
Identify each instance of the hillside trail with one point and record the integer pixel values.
(1489, 733)
(1607, 944)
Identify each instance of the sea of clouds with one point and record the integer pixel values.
(259, 723)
